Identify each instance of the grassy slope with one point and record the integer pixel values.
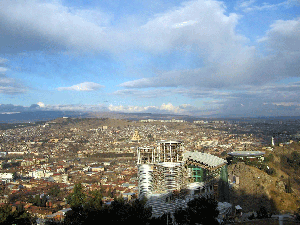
(257, 188)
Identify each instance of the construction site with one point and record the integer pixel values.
(169, 176)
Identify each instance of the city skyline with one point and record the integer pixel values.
(197, 58)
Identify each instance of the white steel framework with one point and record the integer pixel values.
(145, 173)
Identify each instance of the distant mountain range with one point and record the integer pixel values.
(34, 116)
(25, 117)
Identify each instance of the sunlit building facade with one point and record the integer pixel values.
(167, 170)
(168, 167)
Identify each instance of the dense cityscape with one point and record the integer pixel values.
(41, 163)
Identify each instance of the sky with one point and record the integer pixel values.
(206, 58)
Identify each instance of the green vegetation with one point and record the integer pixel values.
(118, 212)
(291, 160)
(224, 154)
(77, 198)
(199, 211)
(269, 158)
(263, 213)
(262, 166)
(297, 214)
(54, 191)
(16, 216)
(89, 209)
(39, 200)
(288, 160)
(10, 164)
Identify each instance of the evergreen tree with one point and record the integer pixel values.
(138, 213)
(119, 212)
(203, 211)
(5, 211)
(199, 211)
(181, 216)
(54, 191)
(94, 201)
(163, 220)
(19, 216)
(77, 198)
(262, 213)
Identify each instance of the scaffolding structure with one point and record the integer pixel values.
(169, 151)
(168, 168)
(145, 173)
(168, 176)
(145, 155)
(145, 161)
(161, 169)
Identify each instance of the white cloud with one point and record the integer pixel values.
(241, 66)
(48, 25)
(85, 86)
(3, 70)
(244, 100)
(41, 104)
(144, 82)
(2, 60)
(225, 67)
(130, 109)
(284, 36)
(11, 90)
(286, 104)
(53, 26)
(246, 4)
(202, 24)
(10, 86)
(46, 107)
(142, 94)
(169, 108)
(283, 43)
(77, 107)
(253, 99)
(164, 108)
(249, 6)
(230, 73)
(183, 24)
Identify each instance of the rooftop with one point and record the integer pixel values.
(204, 158)
(170, 142)
(246, 153)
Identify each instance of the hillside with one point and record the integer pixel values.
(274, 184)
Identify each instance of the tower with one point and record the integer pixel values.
(273, 141)
(169, 166)
(169, 177)
(136, 137)
(145, 160)
(166, 168)
(170, 151)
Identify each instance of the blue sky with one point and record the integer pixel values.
(200, 58)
